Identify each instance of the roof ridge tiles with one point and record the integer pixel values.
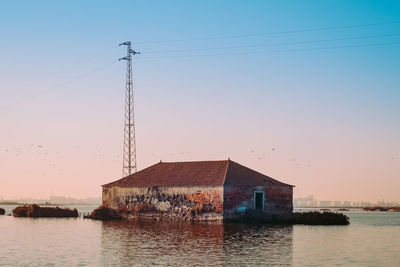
(195, 161)
(226, 170)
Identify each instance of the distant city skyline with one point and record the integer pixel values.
(310, 202)
(299, 202)
(305, 92)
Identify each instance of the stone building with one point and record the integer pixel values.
(198, 191)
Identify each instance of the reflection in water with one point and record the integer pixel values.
(258, 245)
(127, 243)
(372, 239)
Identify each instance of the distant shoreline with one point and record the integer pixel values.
(9, 203)
(46, 203)
(366, 208)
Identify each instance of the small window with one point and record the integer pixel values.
(259, 200)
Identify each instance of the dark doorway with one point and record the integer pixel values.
(259, 200)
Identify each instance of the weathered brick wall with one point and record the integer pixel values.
(239, 200)
(279, 200)
(166, 203)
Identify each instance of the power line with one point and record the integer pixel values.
(271, 33)
(275, 51)
(276, 44)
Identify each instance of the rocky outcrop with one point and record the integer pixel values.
(103, 213)
(35, 211)
(2, 211)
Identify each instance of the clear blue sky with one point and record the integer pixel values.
(317, 80)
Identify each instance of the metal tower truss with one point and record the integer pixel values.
(129, 152)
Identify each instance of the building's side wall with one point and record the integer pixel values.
(239, 200)
(166, 203)
(279, 200)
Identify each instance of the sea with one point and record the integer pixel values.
(371, 239)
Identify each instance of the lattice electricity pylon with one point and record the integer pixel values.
(129, 154)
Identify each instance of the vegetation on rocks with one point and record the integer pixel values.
(306, 218)
(36, 211)
(103, 213)
(318, 218)
(2, 211)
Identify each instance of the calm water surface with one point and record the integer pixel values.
(372, 239)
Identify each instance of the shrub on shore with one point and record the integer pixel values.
(2, 211)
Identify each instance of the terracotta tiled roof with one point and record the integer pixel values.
(242, 176)
(195, 173)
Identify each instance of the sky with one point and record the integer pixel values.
(306, 92)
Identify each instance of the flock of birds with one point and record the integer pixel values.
(40, 150)
(37, 149)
